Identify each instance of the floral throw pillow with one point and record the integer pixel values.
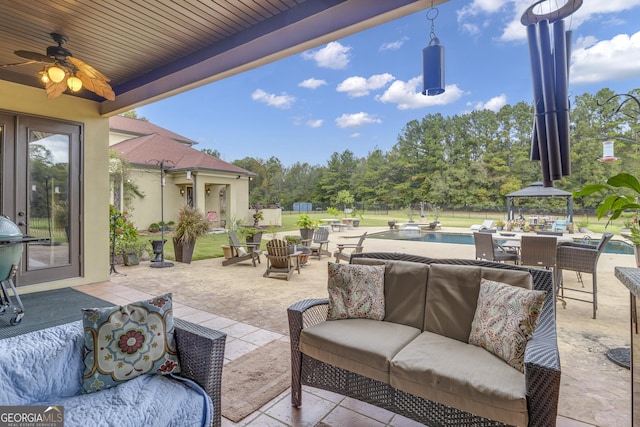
(124, 342)
(356, 291)
(505, 319)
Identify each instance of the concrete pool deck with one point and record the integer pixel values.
(251, 309)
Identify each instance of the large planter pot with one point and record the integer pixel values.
(226, 250)
(356, 223)
(183, 251)
(255, 238)
(306, 233)
(157, 246)
(130, 259)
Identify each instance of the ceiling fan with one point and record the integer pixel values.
(63, 70)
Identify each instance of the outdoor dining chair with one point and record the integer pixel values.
(581, 258)
(541, 252)
(487, 248)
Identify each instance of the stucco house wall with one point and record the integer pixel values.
(95, 198)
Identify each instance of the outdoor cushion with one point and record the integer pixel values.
(505, 319)
(362, 346)
(521, 279)
(462, 376)
(123, 342)
(355, 291)
(44, 368)
(452, 293)
(405, 289)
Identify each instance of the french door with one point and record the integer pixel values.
(41, 187)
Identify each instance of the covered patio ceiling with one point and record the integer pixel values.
(152, 49)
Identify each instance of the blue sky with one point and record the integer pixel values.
(359, 92)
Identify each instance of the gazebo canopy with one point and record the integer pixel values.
(536, 189)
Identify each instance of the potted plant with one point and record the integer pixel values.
(306, 225)
(499, 225)
(257, 216)
(131, 250)
(623, 191)
(191, 224)
(127, 241)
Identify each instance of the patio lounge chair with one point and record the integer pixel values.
(242, 252)
(487, 224)
(356, 249)
(560, 225)
(280, 260)
(320, 244)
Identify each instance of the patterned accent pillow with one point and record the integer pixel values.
(356, 291)
(505, 319)
(124, 342)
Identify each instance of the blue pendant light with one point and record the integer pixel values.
(433, 61)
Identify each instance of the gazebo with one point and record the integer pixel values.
(536, 189)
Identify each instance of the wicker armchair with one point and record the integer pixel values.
(201, 353)
(581, 258)
(542, 361)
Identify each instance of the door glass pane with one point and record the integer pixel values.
(48, 213)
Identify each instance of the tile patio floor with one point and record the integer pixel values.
(594, 391)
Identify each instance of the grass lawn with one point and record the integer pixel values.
(211, 246)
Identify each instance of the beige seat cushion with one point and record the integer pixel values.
(463, 376)
(405, 288)
(362, 346)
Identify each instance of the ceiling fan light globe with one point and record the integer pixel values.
(44, 77)
(56, 74)
(74, 83)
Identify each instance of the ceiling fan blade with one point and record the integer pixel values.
(87, 69)
(97, 86)
(34, 56)
(18, 63)
(54, 90)
(93, 79)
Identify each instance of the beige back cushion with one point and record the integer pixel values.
(452, 296)
(405, 288)
(521, 279)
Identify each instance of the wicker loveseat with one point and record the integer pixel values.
(44, 368)
(463, 383)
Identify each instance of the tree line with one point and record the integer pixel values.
(468, 161)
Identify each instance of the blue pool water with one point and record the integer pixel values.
(613, 247)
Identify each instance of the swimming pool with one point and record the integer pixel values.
(613, 247)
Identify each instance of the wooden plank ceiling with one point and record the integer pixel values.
(151, 49)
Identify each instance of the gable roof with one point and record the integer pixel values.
(150, 149)
(536, 189)
(137, 127)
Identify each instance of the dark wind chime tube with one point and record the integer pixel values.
(550, 143)
(561, 57)
(538, 149)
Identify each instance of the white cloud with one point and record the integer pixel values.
(283, 101)
(615, 59)
(513, 30)
(393, 45)
(334, 56)
(314, 123)
(356, 120)
(494, 104)
(359, 86)
(312, 83)
(355, 135)
(408, 96)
